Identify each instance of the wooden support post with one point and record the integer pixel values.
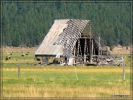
(123, 72)
(80, 50)
(46, 60)
(91, 50)
(74, 55)
(123, 67)
(85, 51)
(90, 45)
(78, 47)
(41, 60)
(99, 48)
(18, 71)
(80, 58)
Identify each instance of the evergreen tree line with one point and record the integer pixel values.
(27, 23)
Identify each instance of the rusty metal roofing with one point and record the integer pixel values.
(60, 31)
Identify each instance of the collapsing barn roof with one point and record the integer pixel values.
(75, 41)
(47, 47)
(65, 31)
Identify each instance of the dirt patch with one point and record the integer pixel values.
(121, 50)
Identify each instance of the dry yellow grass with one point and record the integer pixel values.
(33, 91)
(51, 87)
(63, 70)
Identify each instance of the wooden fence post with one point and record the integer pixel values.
(123, 73)
(18, 71)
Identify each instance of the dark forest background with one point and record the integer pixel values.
(27, 23)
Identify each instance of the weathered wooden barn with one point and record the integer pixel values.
(73, 41)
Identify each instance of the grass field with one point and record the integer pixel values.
(61, 81)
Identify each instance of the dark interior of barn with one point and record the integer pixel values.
(86, 47)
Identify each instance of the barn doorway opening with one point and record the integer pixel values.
(85, 49)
